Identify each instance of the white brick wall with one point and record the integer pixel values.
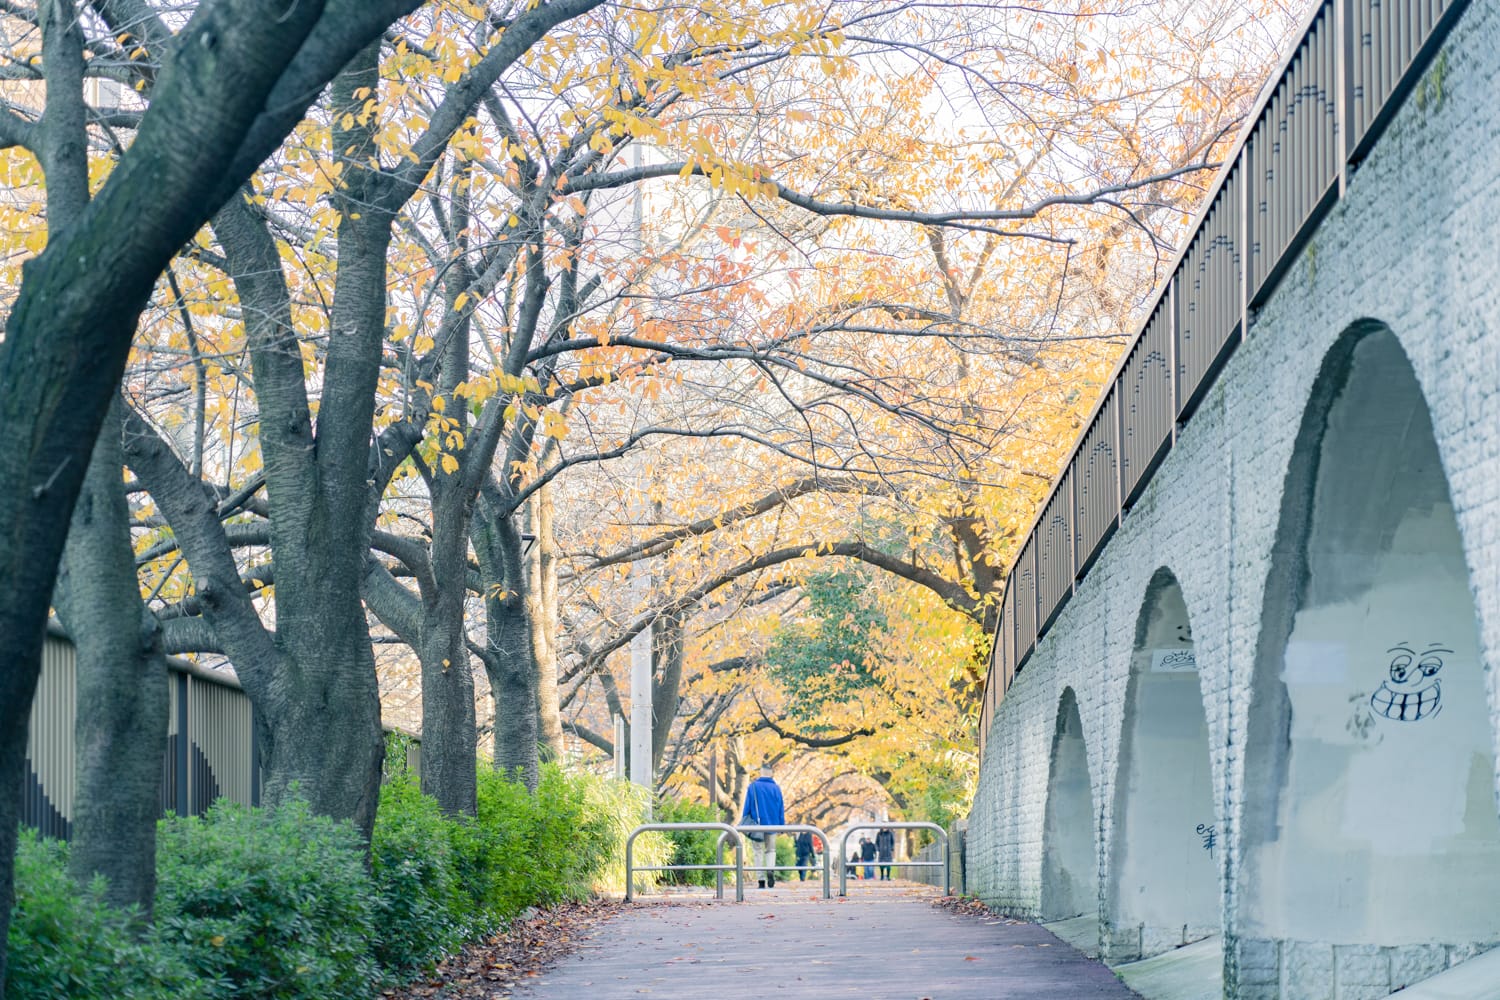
(1414, 245)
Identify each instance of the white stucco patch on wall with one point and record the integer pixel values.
(1163, 890)
(1357, 824)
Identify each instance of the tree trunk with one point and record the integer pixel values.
(313, 682)
(326, 743)
(322, 740)
(449, 737)
(122, 688)
(510, 659)
(449, 765)
(667, 653)
(542, 610)
(735, 777)
(513, 686)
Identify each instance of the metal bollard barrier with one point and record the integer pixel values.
(739, 856)
(844, 853)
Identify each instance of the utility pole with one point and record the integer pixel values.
(713, 779)
(619, 747)
(642, 713)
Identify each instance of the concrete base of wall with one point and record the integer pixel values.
(1192, 972)
(1310, 968)
(1132, 944)
(1080, 932)
(1476, 979)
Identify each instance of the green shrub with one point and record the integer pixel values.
(64, 942)
(274, 903)
(476, 871)
(534, 849)
(278, 905)
(422, 908)
(690, 847)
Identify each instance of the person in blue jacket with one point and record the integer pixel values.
(764, 807)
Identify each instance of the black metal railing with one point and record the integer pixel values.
(1355, 62)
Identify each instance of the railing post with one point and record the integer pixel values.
(725, 830)
(947, 865)
(1119, 454)
(630, 865)
(739, 868)
(827, 882)
(844, 862)
(1073, 528)
(1173, 333)
(1343, 26)
(719, 871)
(1246, 201)
(739, 875)
(942, 834)
(1036, 596)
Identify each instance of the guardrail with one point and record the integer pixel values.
(909, 863)
(739, 857)
(1324, 109)
(792, 828)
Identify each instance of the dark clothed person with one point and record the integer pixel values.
(885, 850)
(804, 845)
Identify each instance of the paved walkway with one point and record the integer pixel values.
(880, 943)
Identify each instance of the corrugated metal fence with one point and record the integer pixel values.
(218, 756)
(1355, 62)
(209, 751)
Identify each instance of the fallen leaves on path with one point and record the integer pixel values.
(491, 968)
(969, 906)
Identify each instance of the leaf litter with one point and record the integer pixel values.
(529, 945)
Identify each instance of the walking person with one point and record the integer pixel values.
(885, 851)
(804, 845)
(764, 807)
(867, 855)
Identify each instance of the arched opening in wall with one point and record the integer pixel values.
(1369, 812)
(1164, 869)
(1070, 867)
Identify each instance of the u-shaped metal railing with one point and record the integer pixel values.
(844, 853)
(789, 828)
(739, 856)
(739, 868)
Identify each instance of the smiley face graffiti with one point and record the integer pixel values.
(1412, 691)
